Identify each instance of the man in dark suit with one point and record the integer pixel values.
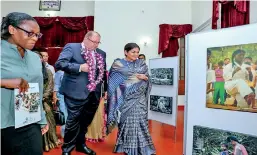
(80, 101)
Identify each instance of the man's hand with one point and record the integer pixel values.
(84, 67)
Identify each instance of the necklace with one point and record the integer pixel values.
(93, 81)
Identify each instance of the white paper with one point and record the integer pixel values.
(27, 106)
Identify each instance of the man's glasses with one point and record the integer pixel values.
(95, 42)
(31, 34)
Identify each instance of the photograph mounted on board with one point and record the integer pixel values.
(231, 77)
(208, 141)
(162, 76)
(162, 104)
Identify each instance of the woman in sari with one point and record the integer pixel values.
(128, 91)
(50, 139)
(97, 129)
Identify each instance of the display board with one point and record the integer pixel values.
(201, 49)
(164, 94)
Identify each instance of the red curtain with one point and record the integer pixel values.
(48, 29)
(233, 13)
(58, 31)
(168, 38)
(53, 53)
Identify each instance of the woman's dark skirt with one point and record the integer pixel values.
(22, 141)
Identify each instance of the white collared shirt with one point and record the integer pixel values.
(50, 67)
(92, 52)
(228, 71)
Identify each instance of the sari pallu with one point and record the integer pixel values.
(127, 107)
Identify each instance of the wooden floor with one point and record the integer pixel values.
(165, 141)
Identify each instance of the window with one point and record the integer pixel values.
(181, 59)
(181, 53)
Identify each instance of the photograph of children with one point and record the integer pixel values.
(162, 76)
(162, 104)
(231, 77)
(28, 102)
(208, 141)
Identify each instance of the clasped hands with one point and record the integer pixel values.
(84, 67)
(142, 77)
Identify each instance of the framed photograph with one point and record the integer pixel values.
(231, 77)
(162, 76)
(208, 141)
(162, 104)
(50, 5)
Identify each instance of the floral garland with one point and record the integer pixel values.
(92, 68)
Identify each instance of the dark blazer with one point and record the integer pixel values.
(74, 82)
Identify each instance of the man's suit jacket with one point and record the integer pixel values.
(74, 82)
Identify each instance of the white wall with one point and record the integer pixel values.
(201, 12)
(68, 8)
(253, 11)
(123, 22)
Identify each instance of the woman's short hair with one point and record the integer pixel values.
(130, 46)
(15, 19)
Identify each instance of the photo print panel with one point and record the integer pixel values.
(208, 141)
(162, 76)
(162, 104)
(231, 77)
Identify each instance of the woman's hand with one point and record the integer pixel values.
(45, 129)
(54, 100)
(18, 83)
(142, 77)
(105, 95)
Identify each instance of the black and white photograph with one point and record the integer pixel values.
(162, 76)
(209, 141)
(28, 102)
(162, 104)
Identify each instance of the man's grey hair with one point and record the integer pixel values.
(91, 33)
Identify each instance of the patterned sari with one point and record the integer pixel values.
(127, 107)
(96, 130)
(50, 139)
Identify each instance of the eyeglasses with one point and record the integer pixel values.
(95, 42)
(31, 34)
